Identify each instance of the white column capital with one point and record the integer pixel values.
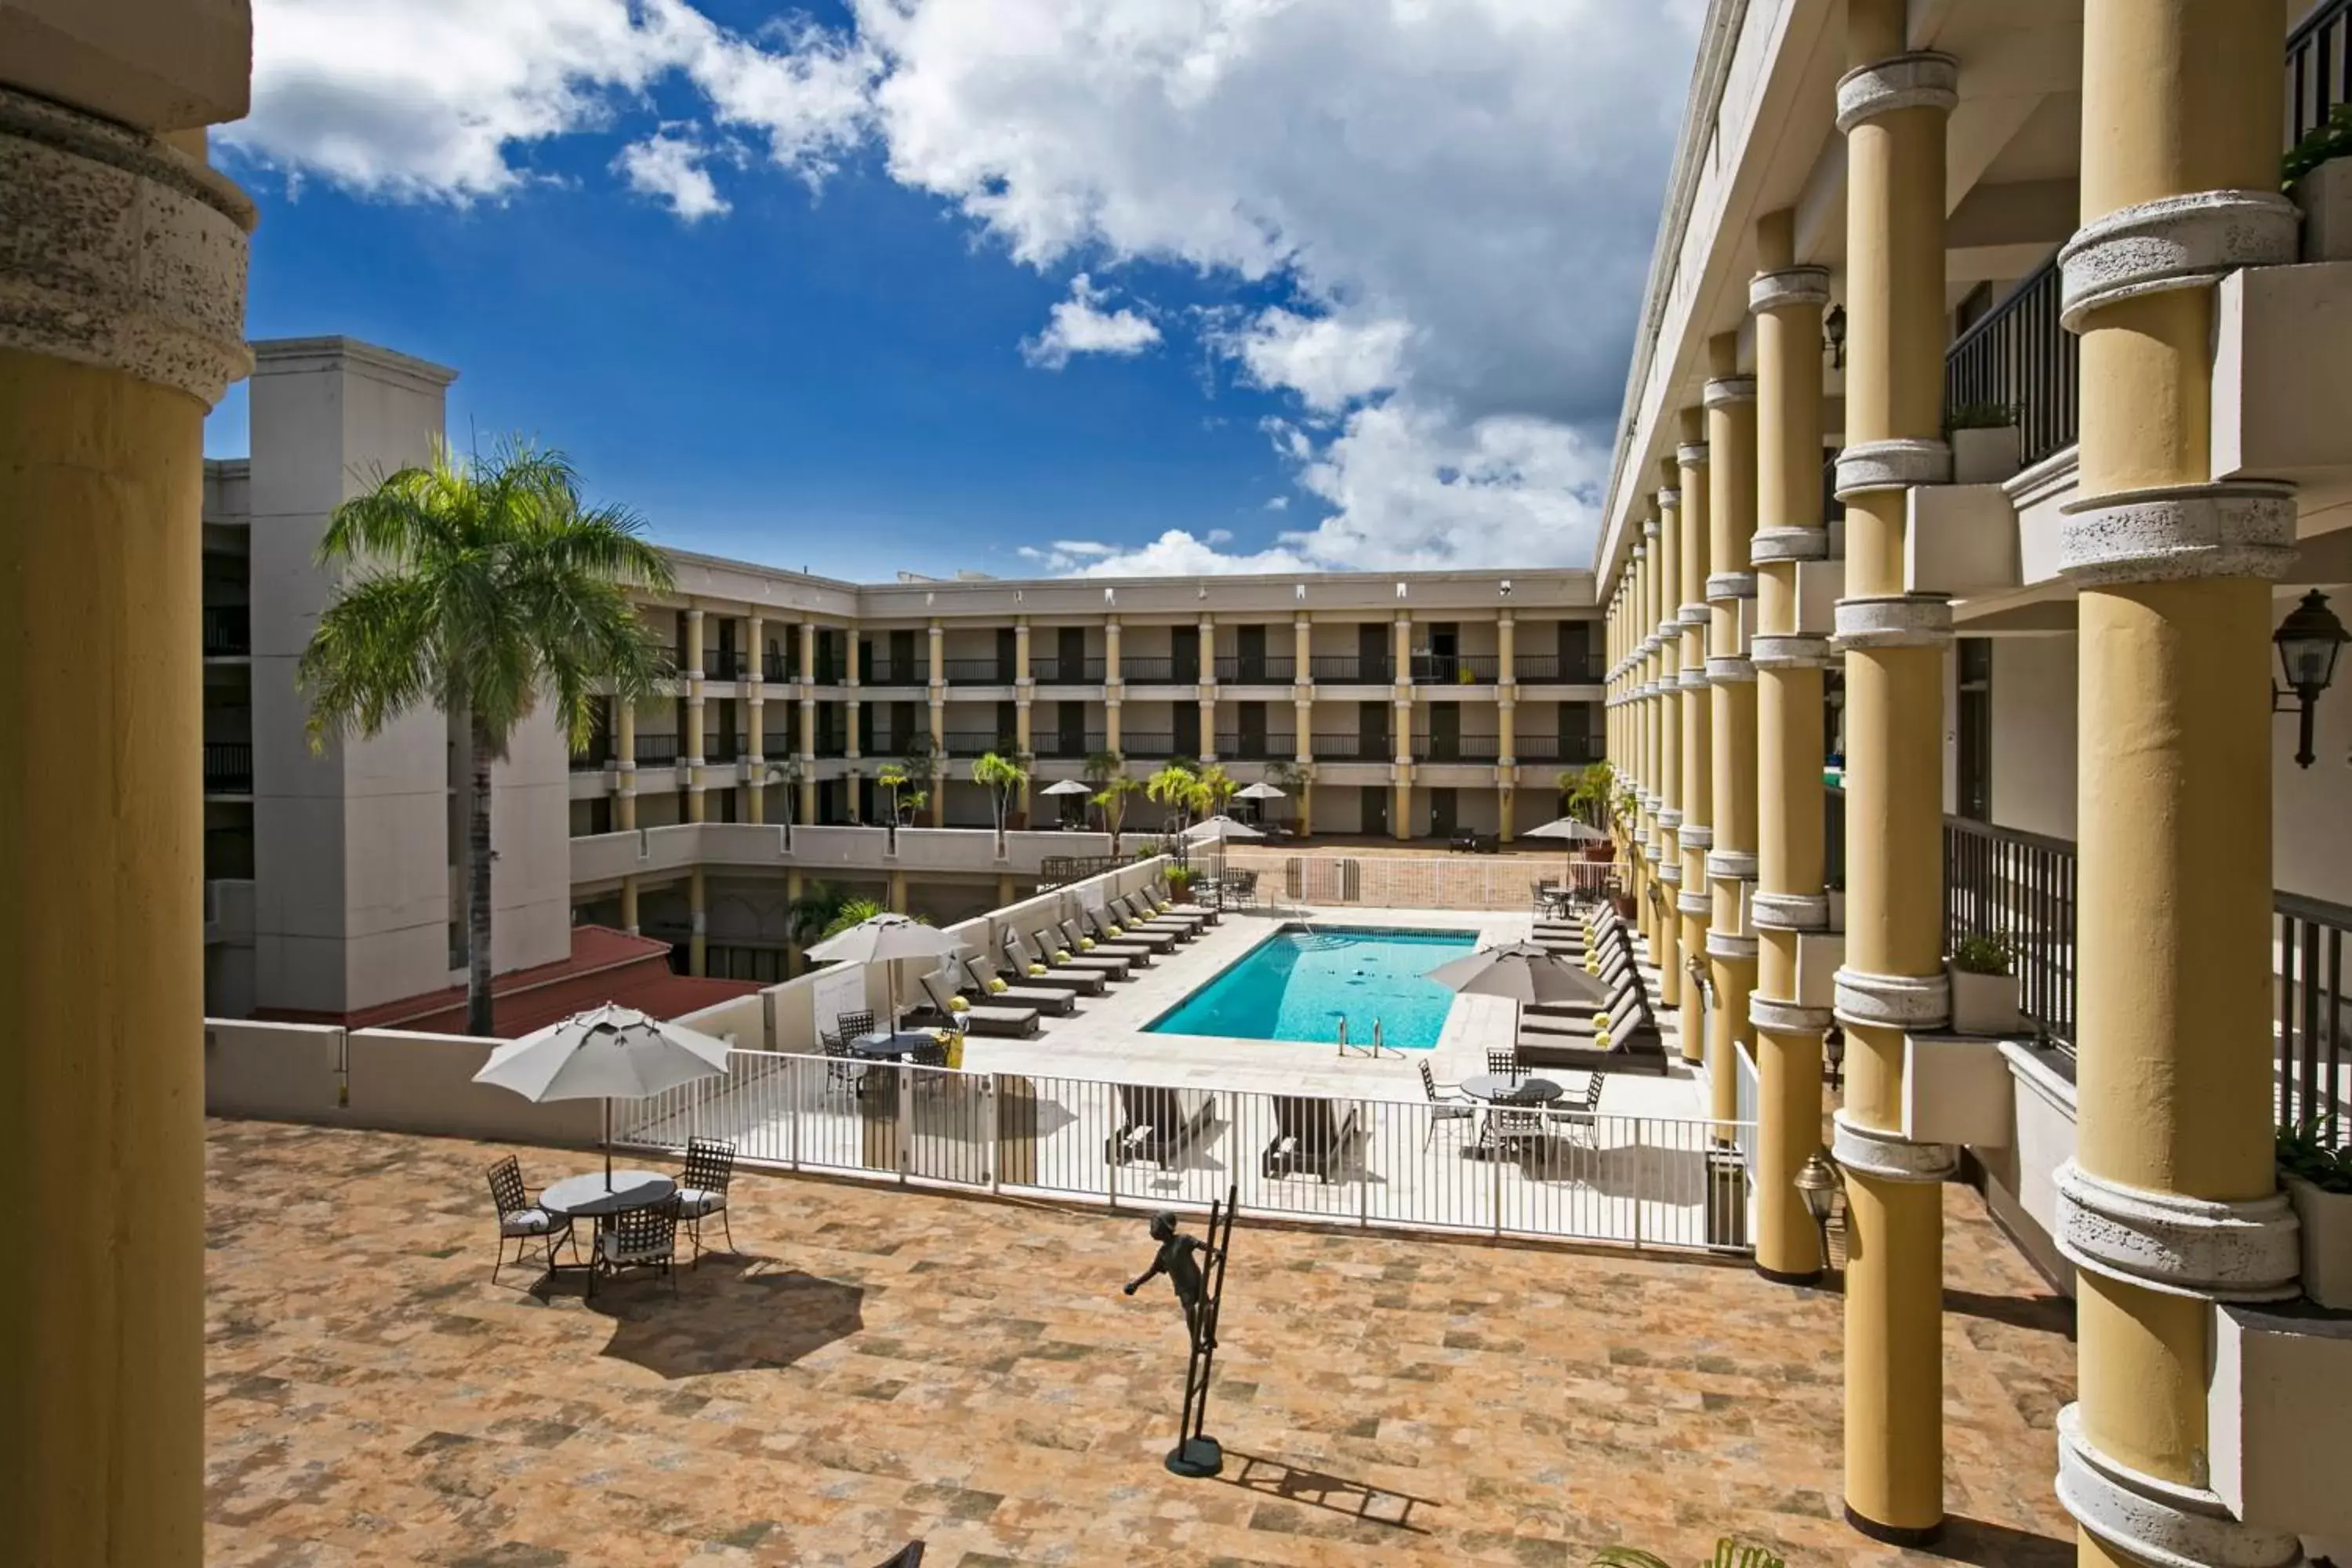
(2173, 242)
(2244, 1251)
(1922, 79)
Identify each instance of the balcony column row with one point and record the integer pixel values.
(1637, 757)
(1208, 686)
(939, 694)
(1302, 709)
(1401, 815)
(755, 792)
(1667, 950)
(624, 739)
(697, 807)
(1786, 301)
(2171, 1201)
(1646, 736)
(1730, 403)
(1024, 695)
(1507, 725)
(124, 272)
(1892, 107)
(1694, 904)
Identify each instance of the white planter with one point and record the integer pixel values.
(2326, 1219)
(2325, 195)
(1985, 456)
(1984, 1004)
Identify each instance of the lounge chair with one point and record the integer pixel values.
(1089, 979)
(1075, 938)
(1639, 1048)
(1158, 1124)
(1078, 983)
(979, 1019)
(1058, 952)
(1055, 1000)
(1097, 923)
(1310, 1136)
(1135, 917)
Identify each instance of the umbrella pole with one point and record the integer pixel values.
(608, 1143)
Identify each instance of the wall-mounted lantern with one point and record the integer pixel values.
(1834, 334)
(2309, 641)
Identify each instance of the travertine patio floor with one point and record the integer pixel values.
(885, 1365)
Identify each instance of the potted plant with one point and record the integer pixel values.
(1586, 793)
(1985, 445)
(2318, 1181)
(1180, 884)
(2317, 173)
(1984, 986)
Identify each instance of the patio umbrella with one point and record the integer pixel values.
(886, 939)
(1218, 828)
(1068, 786)
(1261, 792)
(1521, 972)
(606, 1053)
(1574, 831)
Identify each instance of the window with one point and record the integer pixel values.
(1975, 792)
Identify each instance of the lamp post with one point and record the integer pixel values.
(1816, 1184)
(2309, 641)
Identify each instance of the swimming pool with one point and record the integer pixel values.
(1298, 983)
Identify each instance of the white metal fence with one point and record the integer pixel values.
(1643, 1180)
(1409, 883)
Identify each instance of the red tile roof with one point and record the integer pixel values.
(605, 966)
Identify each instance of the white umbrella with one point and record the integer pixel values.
(1217, 829)
(1521, 972)
(886, 939)
(1261, 790)
(606, 1053)
(1570, 829)
(1068, 786)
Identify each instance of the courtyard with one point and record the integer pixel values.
(881, 1365)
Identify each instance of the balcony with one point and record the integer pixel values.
(726, 664)
(1461, 749)
(979, 671)
(1257, 671)
(1346, 668)
(592, 761)
(902, 672)
(1559, 670)
(777, 745)
(656, 751)
(228, 631)
(722, 749)
(1573, 751)
(831, 746)
(1347, 748)
(2020, 358)
(1068, 672)
(980, 742)
(776, 667)
(1149, 745)
(1237, 748)
(1069, 748)
(228, 767)
(1152, 670)
(1456, 668)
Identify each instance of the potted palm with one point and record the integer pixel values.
(1112, 801)
(2319, 175)
(1002, 777)
(1984, 986)
(2318, 1182)
(1586, 793)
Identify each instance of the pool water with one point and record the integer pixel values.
(1298, 983)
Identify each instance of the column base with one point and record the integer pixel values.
(1896, 1534)
(1779, 1277)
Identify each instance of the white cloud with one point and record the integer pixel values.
(1079, 325)
(1443, 207)
(668, 167)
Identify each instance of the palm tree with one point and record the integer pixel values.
(787, 772)
(1101, 767)
(483, 587)
(1178, 788)
(1589, 791)
(808, 917)
(1117, 792)
(893, 776)
(1000, 775)
(1297, 779)
(850, 912)
(1217, 787)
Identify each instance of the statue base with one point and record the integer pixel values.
(1196, 1457)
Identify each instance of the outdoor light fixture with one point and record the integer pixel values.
(1507, 587)
(2309, 641)
(1816, 1184)
(1833, 330)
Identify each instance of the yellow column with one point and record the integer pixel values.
(1730, 864)
(755, 791)
(698, 909)
(124, 268)
(1400, 814)
(1639, 720)
(1892, 107)
(697, 804)
(1113, 690)
(808, 720)
(794, 890)
(1302, 710)
(896, 895)
(1005, 892)
(624, 744)
(1667, 950)
(2170, 1201)
(1025, 690)
(1694, 903)
(629, 905)
(1787, 300)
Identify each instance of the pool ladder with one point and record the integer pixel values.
(1378, 1048)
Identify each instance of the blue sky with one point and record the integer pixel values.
(1024, 287)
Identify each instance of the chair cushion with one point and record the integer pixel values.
(693, 1202)
(527, 1221)
(609, 1248)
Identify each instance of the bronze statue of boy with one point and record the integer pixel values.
(1176, 1259)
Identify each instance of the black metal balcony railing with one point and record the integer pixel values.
(978, 672)
(1067, 747)
(1456, 668)
(228, 631)
(776, 667)
(593, 760)
(725, 663)
(721, 748)
(1255, 748)
(656, 751)
(2018, 887)
(830, 746)
(1151, 669)
(979, 742)
(1461, 749)
(1257, 671)
(1148, 744)
(776, 746)
(1349, 666)
(2312, 1045)
(1567, 751)
(1346, 748)
(228, 767)
(2019, 358)
(884, 672)
(1569, 670)
(1068, 672)
(2318, 64)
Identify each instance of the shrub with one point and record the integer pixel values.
(1981, 955)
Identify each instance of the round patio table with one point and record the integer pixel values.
(1495, 1089)
(894, 1047)
(587, 1197)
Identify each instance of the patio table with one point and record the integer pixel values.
(1499, 1089)
(894, 1046)
(588, 1197)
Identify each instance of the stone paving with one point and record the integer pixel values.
(880, 1366)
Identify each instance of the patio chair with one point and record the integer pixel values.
(1508, 1126)
(1050, 942)
(1097, 923)
(638, 1238)
(1075, 937)
(983, 984)
(854, 1025)
(1019, 959)
(978, 1018)
(1581, 1121)
(1135, 917)
(1442, 1109)
(1462, 844)
(702, 1190)
(1505, 1064)
(1308, 1136)
(521, 1221)
(1157, 1123)
(842, 1070)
